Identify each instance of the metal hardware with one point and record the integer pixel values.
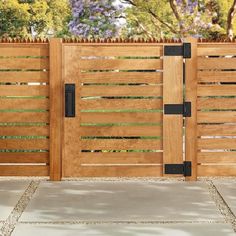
(69, 100)
(184, 169)
(178, 50)
(178, 109)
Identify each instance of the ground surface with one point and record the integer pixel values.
(118, 207)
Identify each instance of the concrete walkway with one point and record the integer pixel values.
(118, 207)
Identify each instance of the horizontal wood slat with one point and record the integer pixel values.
(121, 144)
(224, 130)
(118, 171)
(26, 104)
(127, 64)
(216, 170)
(216, 51)
(121, 77)
(36, 51)
(24, 131)
(121, 117)
(217, 143)
(216, 90)
(24, 90)
(121, 104)
(216, 76)
(216, 103)
(121, 91)
(216, 63)
(24, 144)
(121, 131)
(216, 157)
(113, 51)
(20, 170)
(216, 117)
(24, 117)
(24, 76)
(24, 63)
(7, 157)
(120, 158)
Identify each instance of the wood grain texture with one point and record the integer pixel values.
(191, 96)
(116, 171)
(17, 157)
(24, 76)
(217, 170)
(217, 103)
(20, 170)
(121, 131)
(216, 76)
(71, 126)
(216, 90)
(217, 143)
(219, 130)
(24, 63)
(120, 158)
(124, 144)
(172, 124)
(118, 64)
(216, 157)
(24, 144)
(216, 51)
(122, 77)
(24, 131)
(26, 104)
(217, 117)
(115, 51)
(56, 110)
(24, 90)
(147, 90)
(20, 51)
(24, 117)
(121, 117)
(87, 104)
(216, 63)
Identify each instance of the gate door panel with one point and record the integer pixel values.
(113, 124)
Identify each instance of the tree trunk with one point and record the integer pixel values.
(231, 14)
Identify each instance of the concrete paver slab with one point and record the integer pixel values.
(125, 230)
(10, 193)
(121, 201)
(227, 189)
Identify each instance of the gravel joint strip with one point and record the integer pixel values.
(12, 220)
(222, 205)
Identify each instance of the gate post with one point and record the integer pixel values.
(191, 122)
(56, 111)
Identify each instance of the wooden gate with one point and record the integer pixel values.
(114, 123)
(126, 106)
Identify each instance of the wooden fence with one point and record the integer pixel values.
(37, 140)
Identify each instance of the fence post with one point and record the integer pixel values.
(191, 96)
(56, 97)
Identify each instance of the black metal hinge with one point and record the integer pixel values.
(178, 109)
(178, 50)
(184, 169)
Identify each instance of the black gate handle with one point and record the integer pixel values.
(69, 100)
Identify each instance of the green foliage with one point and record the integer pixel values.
(29, 18)
(156, 18)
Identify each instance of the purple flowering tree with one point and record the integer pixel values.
(95, 18)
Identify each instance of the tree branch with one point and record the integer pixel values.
(177, 15)
(149, 11)
(149, 34)
(230, 17)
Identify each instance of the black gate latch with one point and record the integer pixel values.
(182, 169)
(178, 109)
